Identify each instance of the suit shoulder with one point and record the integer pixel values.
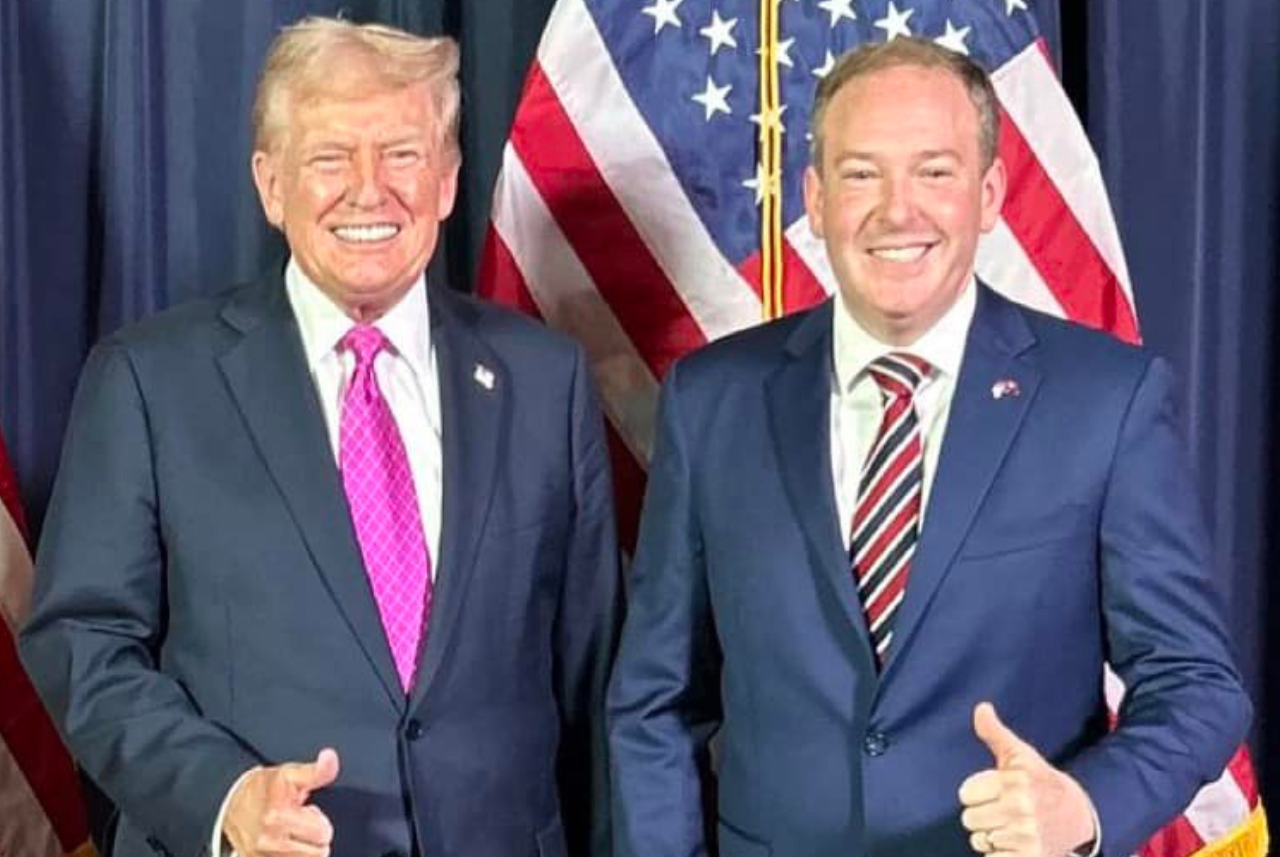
(750, 354)
(512, 334)
(179, 327)
(1088, 352)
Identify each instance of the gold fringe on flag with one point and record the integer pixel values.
(1250, 839)
(770, 146)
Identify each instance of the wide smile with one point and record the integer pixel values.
(902, 254)
(366, 233)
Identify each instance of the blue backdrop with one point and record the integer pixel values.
(124, 187)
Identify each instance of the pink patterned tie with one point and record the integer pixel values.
(384, 505)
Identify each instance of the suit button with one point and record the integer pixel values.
(875, 743)
(413, 731)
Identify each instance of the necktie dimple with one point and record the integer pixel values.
(384, 505)
(886, 519)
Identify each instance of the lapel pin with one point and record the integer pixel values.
(483, 376)
(1005, 388)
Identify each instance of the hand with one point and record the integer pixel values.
(1023, 807)
(268, 815)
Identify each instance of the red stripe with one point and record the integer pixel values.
(800, 286)
(1176, 839)
(38, 751)
(900, 522)
(502, 281)
(1241, 768)
(910, 452)
(598, 229)
(1058, 247)
(896, 585)
(9, 495)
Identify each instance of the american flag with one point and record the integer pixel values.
(650, 201)
(41, 814)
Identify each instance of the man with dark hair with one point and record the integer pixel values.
(889, 543)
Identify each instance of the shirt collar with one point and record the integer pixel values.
(853, 348)
(322, 323)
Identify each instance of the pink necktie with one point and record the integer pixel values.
(384, 505)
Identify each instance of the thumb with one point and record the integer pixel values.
(1006, 747)
(308, 777)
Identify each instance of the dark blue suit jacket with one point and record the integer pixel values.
(1061, 533)
(201, 606)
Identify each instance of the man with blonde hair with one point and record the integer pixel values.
(330, 565)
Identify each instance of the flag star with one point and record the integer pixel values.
(720, 32)
(1010, 6)
(783, 52)
(838, 9)
(953, 39)
(761, 182)
(894, 23)
(772, 118)
(714, 99)
(827, 64)
(663, 12)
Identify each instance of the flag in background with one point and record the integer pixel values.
(41, 814)
(650, 201)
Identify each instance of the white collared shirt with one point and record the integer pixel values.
(855, 397)
(406, 374)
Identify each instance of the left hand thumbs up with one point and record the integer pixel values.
(1022, 807)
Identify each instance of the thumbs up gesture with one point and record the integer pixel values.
(1023, 806)
(269, 814)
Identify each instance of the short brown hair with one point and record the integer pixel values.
(301, 63)
(869, 58)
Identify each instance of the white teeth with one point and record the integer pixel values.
(359, 234)
(901, 254)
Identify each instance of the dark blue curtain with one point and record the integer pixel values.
(124, 187)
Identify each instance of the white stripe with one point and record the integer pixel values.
(1218, 808)
(577, 64)
(1038, 105)
(1006, 267)
(812, 252)
(890, 575)
(568, 300)
(888, 519)
(25, 830)
(888, 613)
(15, 574)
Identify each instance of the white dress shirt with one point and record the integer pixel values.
(856, 409)
(410, 383)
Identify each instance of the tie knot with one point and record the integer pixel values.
(899, 374)
(364, 341)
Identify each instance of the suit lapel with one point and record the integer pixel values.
(474, 406)
(798, 397)
(267, 375)
(979, 432)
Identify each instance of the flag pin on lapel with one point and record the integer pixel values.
(1005, 388)
(483, 376)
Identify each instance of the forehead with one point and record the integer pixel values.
(901, 108)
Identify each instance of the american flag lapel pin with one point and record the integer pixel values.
(483, 376)
(1005, 388)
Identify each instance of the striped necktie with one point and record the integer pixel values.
(886, 520)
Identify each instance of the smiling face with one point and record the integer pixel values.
(901, 197)
(359, 183)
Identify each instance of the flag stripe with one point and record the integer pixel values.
(607, 243)
(1067, 261)
(543, 263)
(25, 830)
(1032, 97)
(632, 162)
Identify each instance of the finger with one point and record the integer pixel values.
(982, 787)
(311, 776)
(1005, 746)
(980, 842)
(987, 816)
(307, 825)
(272, 845)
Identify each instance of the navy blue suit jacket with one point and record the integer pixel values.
(201, 607)
(1061, 533)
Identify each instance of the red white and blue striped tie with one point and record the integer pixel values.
(886, 520)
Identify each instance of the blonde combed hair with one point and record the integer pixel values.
(301, 64)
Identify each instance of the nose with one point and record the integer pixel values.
(897, 202)
(366, 187)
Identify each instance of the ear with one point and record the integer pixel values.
(448, 190)
(267, 178)
(813, 199)
(994, 185)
